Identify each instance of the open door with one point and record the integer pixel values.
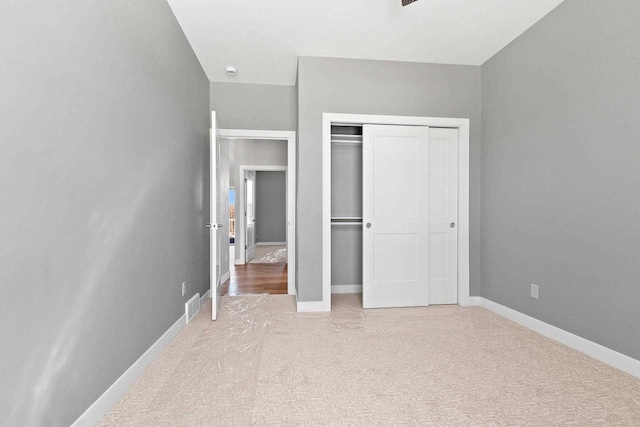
(250, 203)
(214, 225)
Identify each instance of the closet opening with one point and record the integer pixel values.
(395, 210)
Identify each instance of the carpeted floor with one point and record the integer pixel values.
(262, 363)
(269, 255)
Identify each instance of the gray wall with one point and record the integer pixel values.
(331, 85)
(254, 106)
(561, 172)
(271, 206)
(103, 150)
(262, 152)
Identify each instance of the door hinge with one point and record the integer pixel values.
(246, 247)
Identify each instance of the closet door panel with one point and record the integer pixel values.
(443, 216)
(396, 216)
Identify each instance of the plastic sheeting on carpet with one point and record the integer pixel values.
(262, 363)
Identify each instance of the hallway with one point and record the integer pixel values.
(255, 278)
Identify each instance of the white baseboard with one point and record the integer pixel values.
(606, 355)
(224, 278)
(100, 407)
(346, 289)
(312, 306)
(475, 301)
(271, 244)
(205, 297)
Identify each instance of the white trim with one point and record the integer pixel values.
(271, 244)
(475, 301)
(224, 278)
(463, 189)
(290, 137)
(312, 306)
(327, 119)
(256, 134)
(606, 355)
(346, 289)
(100, 407)
(205, 297)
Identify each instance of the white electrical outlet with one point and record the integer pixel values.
(184, 288)
(534, 291)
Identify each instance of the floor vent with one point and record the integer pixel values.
(192, 307)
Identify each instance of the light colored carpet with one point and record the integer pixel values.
(262, 363)
(269, 254)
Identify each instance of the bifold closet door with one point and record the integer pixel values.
(395, 216)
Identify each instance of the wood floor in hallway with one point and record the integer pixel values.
(256, 279)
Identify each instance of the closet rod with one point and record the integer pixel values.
(345, 223)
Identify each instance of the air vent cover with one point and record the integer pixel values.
(192, 307)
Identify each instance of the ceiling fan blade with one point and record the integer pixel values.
(406, 2)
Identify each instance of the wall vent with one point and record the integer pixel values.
(192, 307)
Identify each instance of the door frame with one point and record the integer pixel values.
(242, 257)
(290, 137)
(242, 170)
(463, 192)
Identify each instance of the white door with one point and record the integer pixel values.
(214, 263)
(395, 216)
(443, 216)
(250, 203)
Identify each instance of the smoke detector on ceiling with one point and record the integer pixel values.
(231, 71)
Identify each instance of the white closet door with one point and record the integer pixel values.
(395, 216)
(443, 216)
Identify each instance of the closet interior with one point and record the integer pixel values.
(346, 207)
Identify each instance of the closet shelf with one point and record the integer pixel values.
(345, 136)
(339, 141)
(346, 223)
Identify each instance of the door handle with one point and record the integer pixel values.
(368, 225)
(208, 225)
(452, 225)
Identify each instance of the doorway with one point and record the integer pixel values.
(262, 247)
(265, 231)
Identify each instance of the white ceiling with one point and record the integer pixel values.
(263, 38)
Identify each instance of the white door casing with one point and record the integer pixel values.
(395, 216)
(250, 204)
(443, 216)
